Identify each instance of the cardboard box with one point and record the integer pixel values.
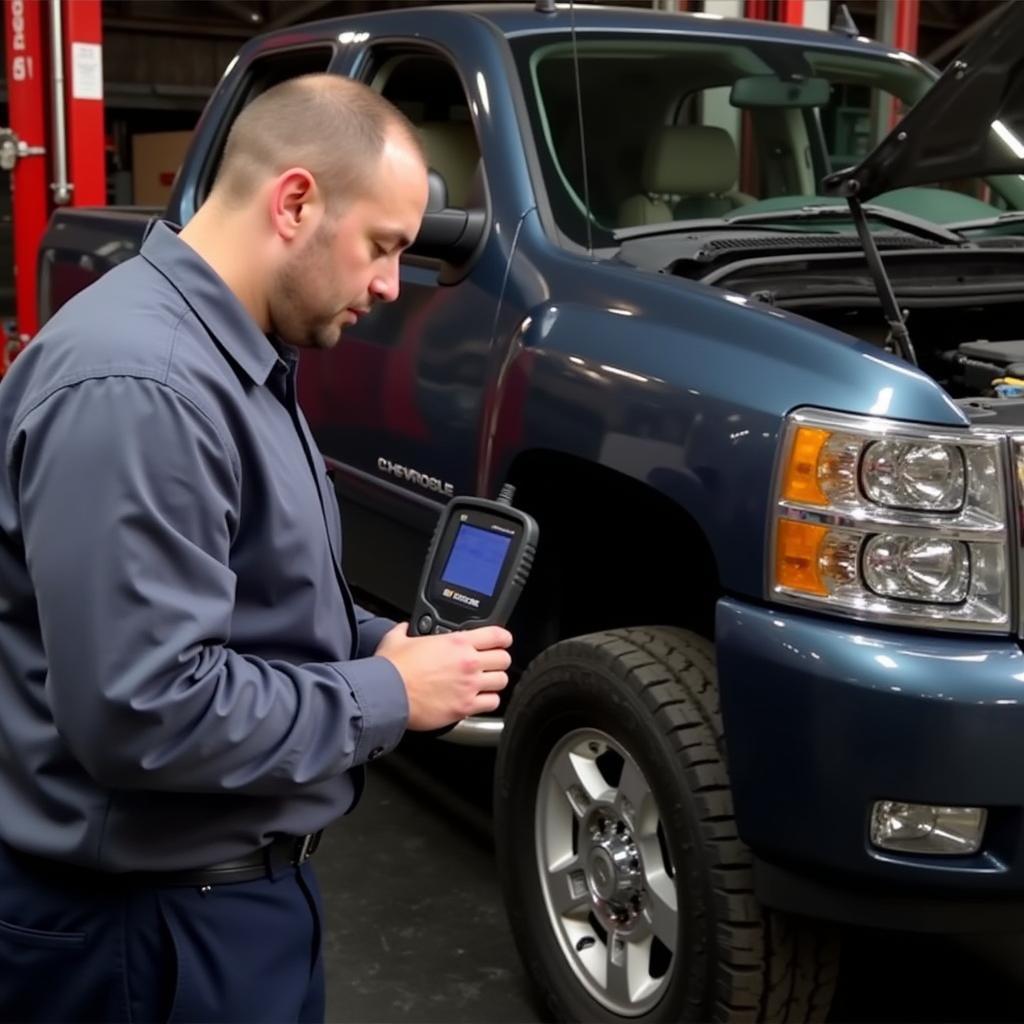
(156, 157)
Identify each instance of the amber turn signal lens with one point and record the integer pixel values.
(797, 549)
(800, 480)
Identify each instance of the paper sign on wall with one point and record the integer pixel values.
(86, 71)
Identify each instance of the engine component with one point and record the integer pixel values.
(978, 365)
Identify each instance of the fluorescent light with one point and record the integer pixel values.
(1011, 140)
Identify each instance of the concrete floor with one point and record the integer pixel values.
(416, 931)
(415, 928)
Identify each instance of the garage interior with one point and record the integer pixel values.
(416, 926)
(162, 59)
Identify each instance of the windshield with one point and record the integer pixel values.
(683, 128)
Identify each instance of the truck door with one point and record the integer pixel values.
(396, 405)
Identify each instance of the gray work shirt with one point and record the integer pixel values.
(183, 672)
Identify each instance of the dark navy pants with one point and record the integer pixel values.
(76, 952)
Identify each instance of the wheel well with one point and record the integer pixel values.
(613, 553)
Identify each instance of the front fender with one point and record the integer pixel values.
(684, 388)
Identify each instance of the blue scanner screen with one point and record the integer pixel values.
(476, 559)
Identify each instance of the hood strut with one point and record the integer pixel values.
(899, 336)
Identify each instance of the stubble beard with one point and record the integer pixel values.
(293, 318)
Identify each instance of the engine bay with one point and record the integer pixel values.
(974, 351)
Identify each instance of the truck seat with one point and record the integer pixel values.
(453, 152)
(688, 171)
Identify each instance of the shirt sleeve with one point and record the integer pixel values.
(129, 498)
(371, 631)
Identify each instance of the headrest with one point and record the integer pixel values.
(453, 152)
(690, 160)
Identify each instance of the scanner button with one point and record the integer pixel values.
(441, 629)
(424, 624)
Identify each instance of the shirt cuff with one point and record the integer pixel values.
(381, 698)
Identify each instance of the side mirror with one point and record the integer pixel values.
(437, 192)
(447, 233)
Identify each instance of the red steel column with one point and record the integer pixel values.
(900, 29)
(83, 90)
(759, 10)
(907, 17)
(30, 195)
(790, 12)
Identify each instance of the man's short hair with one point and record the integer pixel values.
(330, 125)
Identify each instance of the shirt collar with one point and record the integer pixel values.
(227, 320)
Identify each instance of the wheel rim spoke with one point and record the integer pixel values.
(617, 963)
(627, 970)
(569, 799)
(567, 889)
(580, 780)
(661, 908)
(633, 801)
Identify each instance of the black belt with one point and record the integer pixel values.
(282, 853)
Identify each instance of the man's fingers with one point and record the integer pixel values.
(485, 638)
(494, 661)
(485, 702)
(491, 682)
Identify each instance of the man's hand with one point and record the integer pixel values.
(451, 676)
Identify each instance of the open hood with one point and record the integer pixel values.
(969, 124)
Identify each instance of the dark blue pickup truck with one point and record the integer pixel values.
(766, 411)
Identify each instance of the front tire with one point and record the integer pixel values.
(628, 890)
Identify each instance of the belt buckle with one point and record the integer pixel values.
(306, 848)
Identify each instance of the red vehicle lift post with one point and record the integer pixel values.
(54, 144)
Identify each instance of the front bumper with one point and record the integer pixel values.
(823, 718)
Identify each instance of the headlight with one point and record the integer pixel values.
(917, 568)
(892, 522)
(901, 474)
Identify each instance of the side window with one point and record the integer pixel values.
(850, 122)
(427, 89)
(858, 116)
(263, 73)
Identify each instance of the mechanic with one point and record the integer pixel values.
(188, 690)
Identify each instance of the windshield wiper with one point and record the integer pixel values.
(1010, 217)
(914, 225)
(674, 227)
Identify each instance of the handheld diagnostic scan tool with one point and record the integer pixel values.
(477, 565)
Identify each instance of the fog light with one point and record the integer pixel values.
(926, 828)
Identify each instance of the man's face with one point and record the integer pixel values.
(351, 260)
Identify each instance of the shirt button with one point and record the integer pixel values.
(376, 752)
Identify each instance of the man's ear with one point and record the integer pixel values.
(295, 203)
